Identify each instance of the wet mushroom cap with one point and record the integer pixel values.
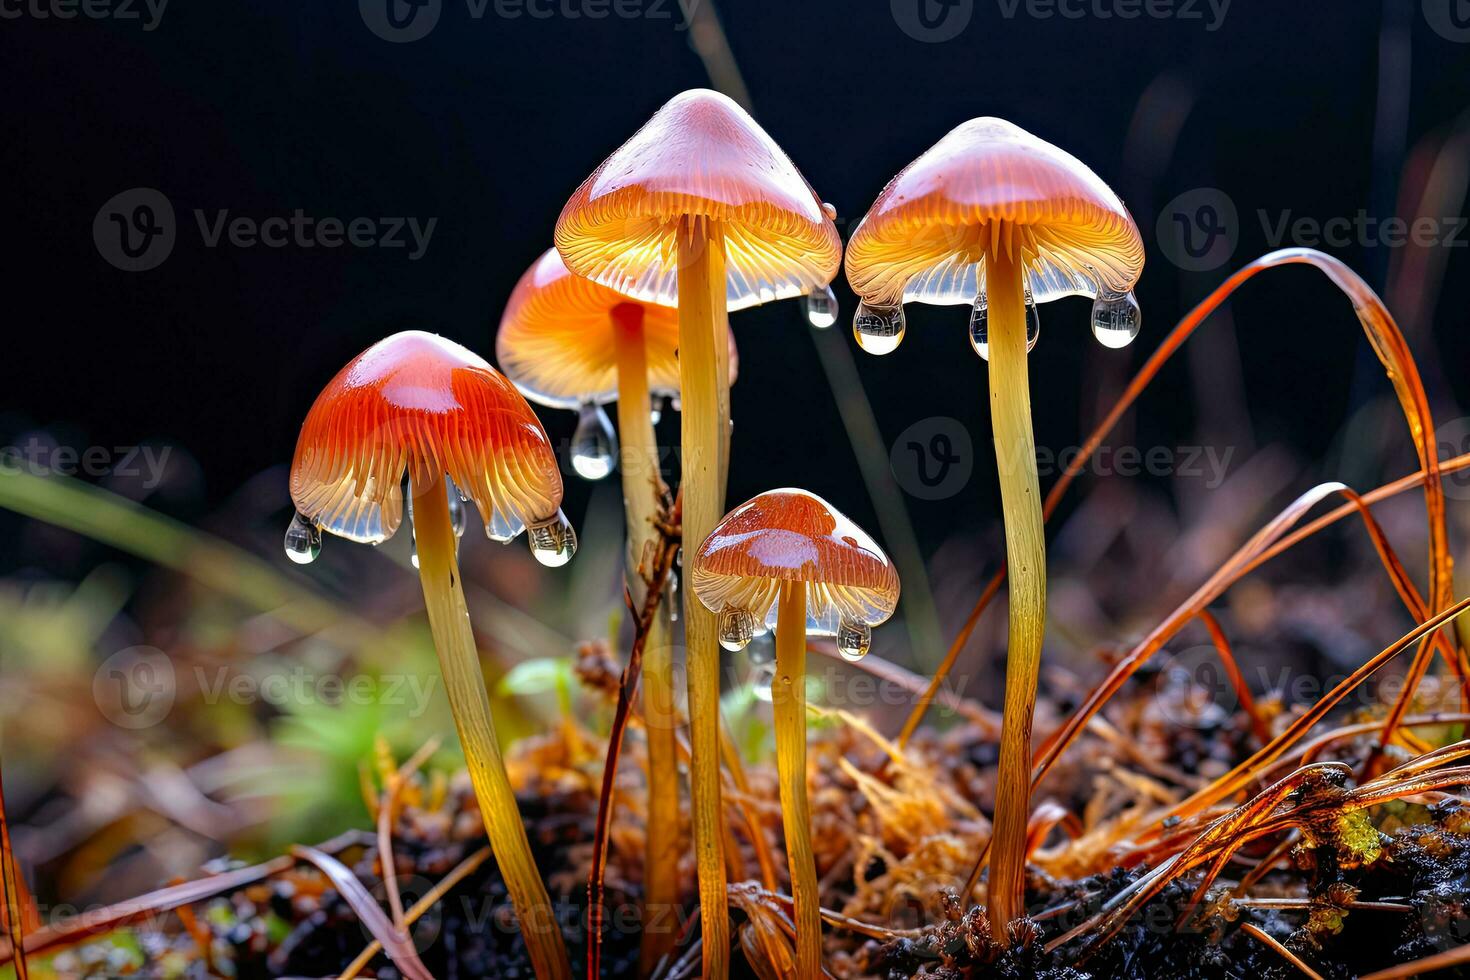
(556, 338)
(416, 402)
(701, 155)
(924, 237)
(793, 535)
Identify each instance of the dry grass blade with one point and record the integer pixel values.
(1458, 956)
(106, 919)
(397, 945)
(387, 808)
(1286, 954)
(15, 904)
(1388, 343)
(1232, 670)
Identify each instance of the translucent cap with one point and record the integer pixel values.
(556, 338)
(700, 156)
(924, 238)
(793, 535)
(419, 403)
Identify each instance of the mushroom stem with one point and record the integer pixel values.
(788, 701)
(703, 327)
(449, 621)
(641, 481)
(1015, 453)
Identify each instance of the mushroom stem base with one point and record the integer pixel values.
(788, 701)
(449, 621)
(1015, 453)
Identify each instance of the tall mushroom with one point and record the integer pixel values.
(422, 404)
(993, 217)
(568, 342)
(701, 208)
(788, 560)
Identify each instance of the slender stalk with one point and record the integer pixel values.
(702, 326)
(788, 700)
(449, 621)
(1015, 453)
(641, 493)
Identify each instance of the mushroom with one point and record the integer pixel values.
(993, 217)
(567, 342)
(788, 560)
(422, 404)
(701, 208)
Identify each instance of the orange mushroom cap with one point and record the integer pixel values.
(923, 239)
(419, 402)
(701, 155)
(792, 535)
(556, 338)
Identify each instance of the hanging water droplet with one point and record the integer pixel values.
(553, 542)
(671, 596)
(1116, 320)
(830, 210)
(737, 626)
(878, 329)
(656, 411)
(762, 649)
(303, 540)
(594, 446)
(761, 679)
(500, 529)
(413, 553)
(821, 307)
(980, 325)
(854, 639)
(456, 512)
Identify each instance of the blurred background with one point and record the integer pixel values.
(156, 380)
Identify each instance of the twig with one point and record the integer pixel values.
(1252, 929)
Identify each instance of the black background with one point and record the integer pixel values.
(489, 124)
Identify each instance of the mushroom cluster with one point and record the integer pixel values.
(698, 214)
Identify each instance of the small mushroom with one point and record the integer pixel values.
(789, 561)
(425, 405)
(993, 217)
(702, 209)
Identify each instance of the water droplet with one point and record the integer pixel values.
(413, 553)
(737, 626)
(671, 596)
(762, 649)
(761, 679)
(500, 529)
(553, 542)
(656, 411)
(821, 307)
(594, 446)
(980, 326)
(878, 329)
(854, 640)
(830, 210)
(456, 512)
(1116, 320)
(303, 541)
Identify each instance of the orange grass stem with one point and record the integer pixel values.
(459, 661)
(1388, 343)
(788, 701)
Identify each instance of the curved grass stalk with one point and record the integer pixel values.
(789, 704)
(1388, 343)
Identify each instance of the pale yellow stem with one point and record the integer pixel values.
(1015, 454)
(788, 701)
(641, 482)
(449, 621)
(702, 325)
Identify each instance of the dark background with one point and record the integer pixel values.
(488, 125)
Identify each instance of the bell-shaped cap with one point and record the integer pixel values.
(924, 238)
(700, 156)
(420, 403)
(556, 338)
(793, 535)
